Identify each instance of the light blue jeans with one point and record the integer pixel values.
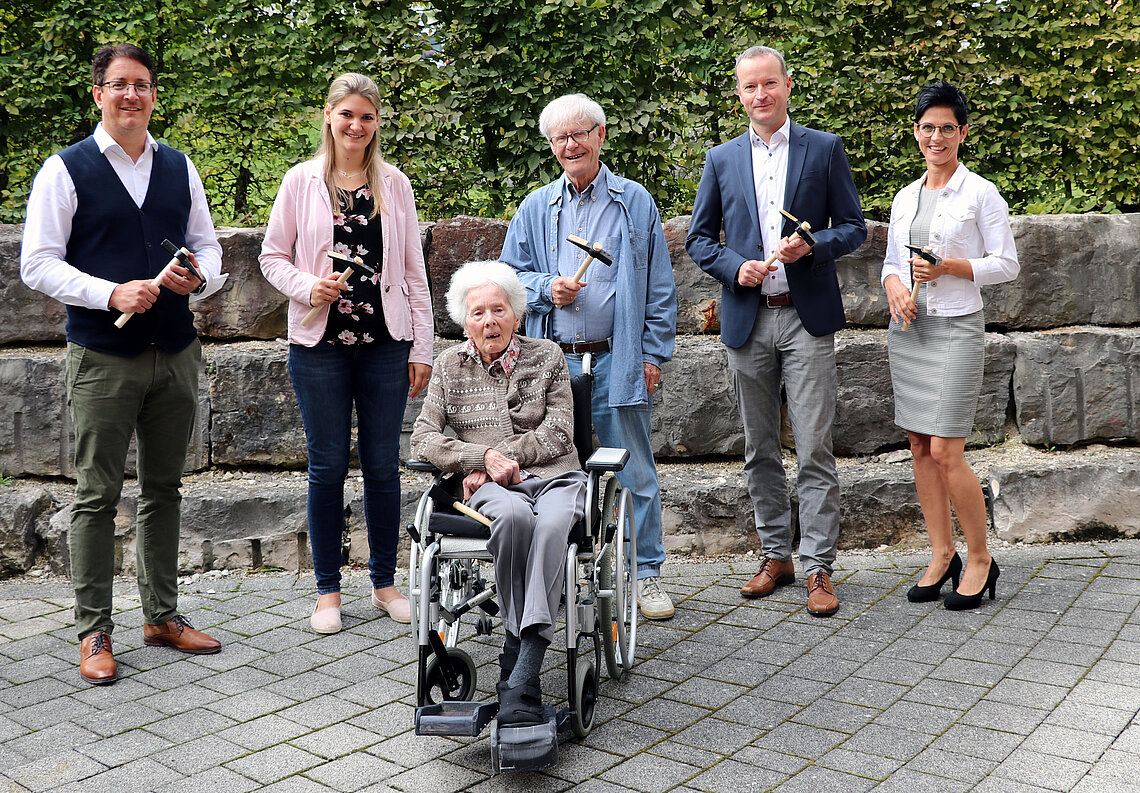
(628, 428)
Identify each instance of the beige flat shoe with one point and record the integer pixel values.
(327, 620)
(398, 608)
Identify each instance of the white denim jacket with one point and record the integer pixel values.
(971, 221)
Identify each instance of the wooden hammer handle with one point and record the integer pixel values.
(309, 317)
(914, 292)
(157, 281)
(471, 513)
(582, 270)
(771, 259)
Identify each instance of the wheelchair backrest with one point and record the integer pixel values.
(582, 386)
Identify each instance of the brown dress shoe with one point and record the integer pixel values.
(181, 635)
(96, 661)
(772, 573)
(822, 601)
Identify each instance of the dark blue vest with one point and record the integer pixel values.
(111, 238)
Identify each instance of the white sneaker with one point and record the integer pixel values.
(653, 600)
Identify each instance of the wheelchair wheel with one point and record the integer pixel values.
(619, 630)
(585, 697)
(438, 689)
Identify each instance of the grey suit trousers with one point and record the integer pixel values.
(530, 524)
(780, 348)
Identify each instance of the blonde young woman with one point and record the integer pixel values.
(937, 362)
(370, 345)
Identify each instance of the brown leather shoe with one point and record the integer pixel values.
(772, 573)
(180, 634)
(96, 661)
(822, 601)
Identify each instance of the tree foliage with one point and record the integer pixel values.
(1053, 88)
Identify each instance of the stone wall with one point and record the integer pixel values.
(1062, 371)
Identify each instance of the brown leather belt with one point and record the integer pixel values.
(585, 346)
(776, 301)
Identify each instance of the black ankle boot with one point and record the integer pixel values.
(924, 594)
(521, 705)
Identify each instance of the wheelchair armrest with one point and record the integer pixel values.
(607, 458)
(421, 465)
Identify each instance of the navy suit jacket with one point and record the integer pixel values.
(820, 190)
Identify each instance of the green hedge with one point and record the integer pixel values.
(1053, 88)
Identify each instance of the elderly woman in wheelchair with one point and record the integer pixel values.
(508, 400)
(512, 430)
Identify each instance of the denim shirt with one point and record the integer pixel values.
(645, 310)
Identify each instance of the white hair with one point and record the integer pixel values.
(570, 109)
(476, 274)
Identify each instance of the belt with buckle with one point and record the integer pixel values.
(776, 301)
(585, 346)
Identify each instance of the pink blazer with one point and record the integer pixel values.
(302, 220)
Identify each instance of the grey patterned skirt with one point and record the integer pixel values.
(936, 372)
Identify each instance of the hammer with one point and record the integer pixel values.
(441, 496)
(180, 256)
(352, 260)
(803, 231)
(595, 251)
(928, 254)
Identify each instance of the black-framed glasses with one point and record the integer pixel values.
(947, 130)
(120, 87)
(578, 136)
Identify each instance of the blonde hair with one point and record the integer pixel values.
(347, 85)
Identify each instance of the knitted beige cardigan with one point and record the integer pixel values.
(529, 416)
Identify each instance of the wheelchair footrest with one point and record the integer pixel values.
(455, 718)
(529, 748)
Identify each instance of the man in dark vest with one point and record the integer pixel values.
(97, 216)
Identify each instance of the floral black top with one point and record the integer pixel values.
(358, 317)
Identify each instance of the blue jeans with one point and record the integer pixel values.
(628, 428)
(328, 379)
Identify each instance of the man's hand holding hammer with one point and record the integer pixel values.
(564, 291)
(135, 297)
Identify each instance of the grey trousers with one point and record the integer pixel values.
(530, 524)
(779, 347)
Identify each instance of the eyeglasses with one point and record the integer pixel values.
(947, 130)
(579, 136)
(120, 87)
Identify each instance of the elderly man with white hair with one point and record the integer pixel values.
(625, 314)
(507, 400)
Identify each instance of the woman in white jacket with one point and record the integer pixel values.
(371, 343)
(937, 362)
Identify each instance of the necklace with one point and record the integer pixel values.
(344, 175)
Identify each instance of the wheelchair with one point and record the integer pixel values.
(447, 587)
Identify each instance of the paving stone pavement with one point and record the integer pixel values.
(1037, 691)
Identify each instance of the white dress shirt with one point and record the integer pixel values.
(770, 177)
(52, 205)
(971, 221)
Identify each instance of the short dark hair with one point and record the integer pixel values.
(941, 94)
(107, 54)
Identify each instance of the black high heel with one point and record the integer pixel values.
(959, 602)
(924, 594)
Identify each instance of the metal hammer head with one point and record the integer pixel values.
(925, 253)
(352, 261)
(596, 250)
(803, 229)
(183, 258)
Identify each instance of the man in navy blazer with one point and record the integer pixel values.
(778, 322)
